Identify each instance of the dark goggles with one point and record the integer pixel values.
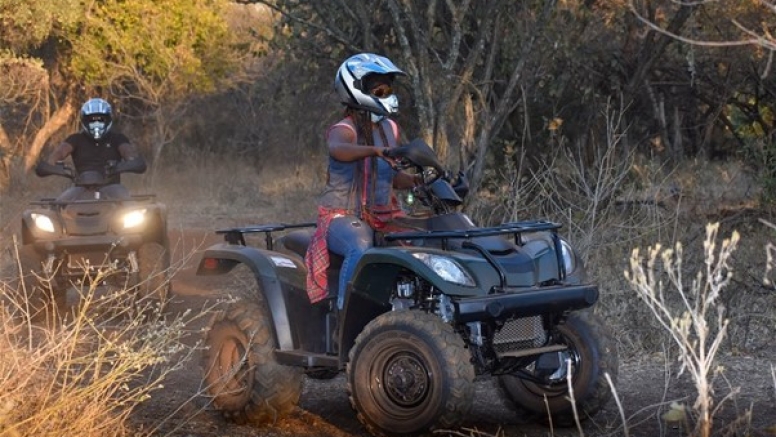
(97, 118)
(381, 91)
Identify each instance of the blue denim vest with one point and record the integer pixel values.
(341, 187)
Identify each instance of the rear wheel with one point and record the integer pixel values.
(409, 372)
(241, 374)
(592, 353)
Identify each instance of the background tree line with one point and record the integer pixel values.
(491, 83)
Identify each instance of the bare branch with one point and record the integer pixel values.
(649, 23)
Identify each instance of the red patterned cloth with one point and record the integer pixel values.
(317, 257)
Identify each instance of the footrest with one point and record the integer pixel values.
(301, 358)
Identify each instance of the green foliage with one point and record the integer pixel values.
(761, 154)
(753, 123)
(183, 44)
(27, 24)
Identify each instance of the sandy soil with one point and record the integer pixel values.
(645, 388)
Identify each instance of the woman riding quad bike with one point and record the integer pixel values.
(427, 310)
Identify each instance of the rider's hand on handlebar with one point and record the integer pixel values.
(44, 169)
(393, 152)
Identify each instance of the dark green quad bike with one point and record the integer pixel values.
(68, 243)
(426, 312)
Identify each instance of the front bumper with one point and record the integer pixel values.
(88, 243)
(518, 302)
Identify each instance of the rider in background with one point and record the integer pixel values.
(358, 197)
(95, 148)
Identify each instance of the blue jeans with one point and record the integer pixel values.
(112, 191)
(349, 237)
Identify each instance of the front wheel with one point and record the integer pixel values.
(591, 353)
(37, 295)
(241, 374)
(409, 372)
(153, 260)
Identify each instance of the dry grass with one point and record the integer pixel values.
(82, 371)
(203, 189)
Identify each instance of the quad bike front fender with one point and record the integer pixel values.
(275, 272)
(379, 268)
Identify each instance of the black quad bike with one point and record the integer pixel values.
(121, 243)
(427, 311)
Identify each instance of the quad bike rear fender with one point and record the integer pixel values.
(282, 279)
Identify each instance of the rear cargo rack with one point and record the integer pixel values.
(237, 235)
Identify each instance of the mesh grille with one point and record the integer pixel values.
(93, 260)
(520, 334)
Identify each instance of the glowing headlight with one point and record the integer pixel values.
(134, 218)
(43, 222)
(569, 260)
(446, 268)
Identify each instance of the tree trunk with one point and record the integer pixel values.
(60, 118)
(5, 159)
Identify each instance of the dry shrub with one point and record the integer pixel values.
(616, 201)
(83, 372)
(688, 308)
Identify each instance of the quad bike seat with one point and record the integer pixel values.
(298, 241)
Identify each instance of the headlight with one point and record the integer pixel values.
(134, 218)
(446, 268)
(43, 222)
(569, 260)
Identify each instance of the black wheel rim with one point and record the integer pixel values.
(402, 382)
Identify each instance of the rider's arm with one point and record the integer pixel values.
(344, 147)
(49, 165)
(131, 161)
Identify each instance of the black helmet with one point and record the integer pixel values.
(352, 87)
(96, 118)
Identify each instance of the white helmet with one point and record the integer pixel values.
(349, 83)
(96, 118)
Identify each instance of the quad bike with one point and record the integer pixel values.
(427, 311)
(120, 243)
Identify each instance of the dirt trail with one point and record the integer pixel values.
(324, 410)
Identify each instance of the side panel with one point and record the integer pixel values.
(298, 324)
